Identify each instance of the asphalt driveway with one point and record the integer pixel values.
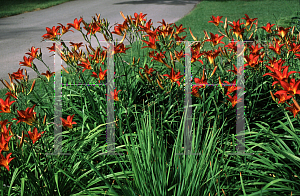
(19, 33)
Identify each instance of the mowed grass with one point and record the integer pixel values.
(278, 12)
(15, 7)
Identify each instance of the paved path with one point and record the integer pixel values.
(19, 33)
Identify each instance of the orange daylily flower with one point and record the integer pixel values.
(68, 123)
(289, 88)
(48, 75)
(147, 27)
(138, 18)
(179, 29)
(64, 29)
(3, 124)
(283, 31)
(76, 24)
(249, 21)
(147, 70)
(215, 20)
(119, 30)
(27, 116)
(5, 161)
(114, 95)
(201, 83)
(277, 47)
(283, 97)
(231, 89)
(215, 39)
(101, 74)
(33, 52)
(5, 105)
(235, 71)
(234, 100)
(293, 109)
(4, 131)
(86, 65)
(18, 75)
(51, 33)
(27, 61)
(76, 45)
(92, 28)
(195, 91)
(268, 27)
(34, 136)
(174, 77)
(281, 76)
(150, 43)
(211, 56)
(4, 143)
(159, 57)
(237, 29)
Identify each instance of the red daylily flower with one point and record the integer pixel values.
(289, 88)
(27, 61)
(27, 116)
(147, 70)
(268, 27)
(34, 136)
(234, 100)
(215, 39)
(5, 105)
(65, 29)
(68, 123)
(173, 77)
(215, 20)
(76, 45)
(18, 75)
(51, 33)
(33, 52)
(48, 75)
(201, 83)
(293, 109)
(5, 161)
(101, 74)
(4, 143)
(150, 43)
(76, 24)
(114, 95)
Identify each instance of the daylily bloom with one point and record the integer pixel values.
(211, 56)
(231, 89)
(147, 27)
(76, 45)
(201, 83)
(48, 75)
(215, 39)
(281, 76)
(293, 109)
(34, 136)
(138, 18)
(5, 161)
(92, 28)
(268, 27)
(289, 88)
(4, 131)
(173, 77)
(51, 33)
(215, 20)
(86, 65)
(235, 71)
(3, 124)
(283, 31)
(195, 91)
(179, 29)
(114, 95)
(27, 61)
(5, 105)
(150, 43)
(234, 100)
(249, 21)
(27, 116)
(101, 74)
(64, 29)
(68, 123)
(283, 97)
(237, 29)
(277, 48)
(4, 142)
(76, 24)
(18, 75)
(147, 70)
(33, 52)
